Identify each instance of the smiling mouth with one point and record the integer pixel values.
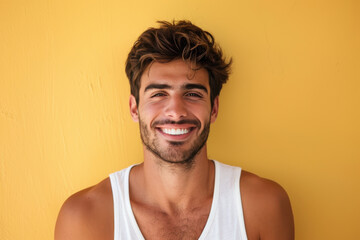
(176, 131)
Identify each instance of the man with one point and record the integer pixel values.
(176, 73)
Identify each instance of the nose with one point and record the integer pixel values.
(176, 108)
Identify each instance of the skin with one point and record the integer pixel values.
(171, 191)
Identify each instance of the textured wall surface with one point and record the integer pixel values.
(290, 111)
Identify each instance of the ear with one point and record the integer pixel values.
(133, 108)
(215, 110)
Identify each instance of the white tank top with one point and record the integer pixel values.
(225, 221)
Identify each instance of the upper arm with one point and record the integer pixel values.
(267, 209)
(277, 215)
(87, 214)
(73, 219)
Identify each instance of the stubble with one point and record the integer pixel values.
(174, 154)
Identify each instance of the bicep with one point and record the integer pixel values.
(278, 218)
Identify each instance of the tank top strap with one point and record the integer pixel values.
(125, 226)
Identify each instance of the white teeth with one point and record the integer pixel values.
(173, 131)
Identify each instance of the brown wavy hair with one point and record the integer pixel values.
(178, 40)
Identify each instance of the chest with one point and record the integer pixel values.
(154, 224)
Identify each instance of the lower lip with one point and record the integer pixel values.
(180, 137)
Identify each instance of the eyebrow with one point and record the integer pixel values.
(188, 86)
(195, 86)
(157, 86)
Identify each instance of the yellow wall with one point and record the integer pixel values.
(290, 111)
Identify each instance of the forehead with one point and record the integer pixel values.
(176, 72)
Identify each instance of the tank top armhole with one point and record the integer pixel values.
(240, 206)
(116, 200)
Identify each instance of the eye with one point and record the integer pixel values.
(194, 95)
(158, 94)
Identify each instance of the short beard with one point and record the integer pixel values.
(175, 157)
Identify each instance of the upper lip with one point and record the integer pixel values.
(184, 124)
(176, 126)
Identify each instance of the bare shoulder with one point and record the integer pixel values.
(87, 214)
(267, 208)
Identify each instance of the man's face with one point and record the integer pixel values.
(174, 110)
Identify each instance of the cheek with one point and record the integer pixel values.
(203, 113)
(149, 111)
(151, 107)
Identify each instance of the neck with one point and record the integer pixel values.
(175, 187)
